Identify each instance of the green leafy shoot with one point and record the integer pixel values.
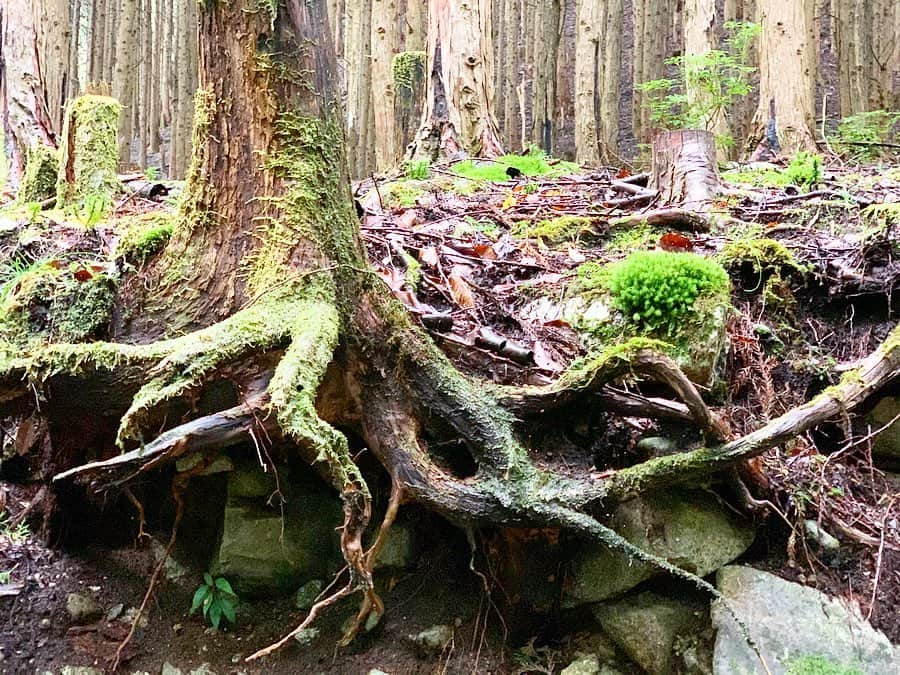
(715, 81)
(92, 209)
(217, 599)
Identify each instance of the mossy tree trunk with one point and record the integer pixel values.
(267, 270)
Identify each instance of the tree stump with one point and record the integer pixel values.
(684, 168)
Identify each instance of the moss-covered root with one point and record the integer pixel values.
(292, 391)
(193, 358)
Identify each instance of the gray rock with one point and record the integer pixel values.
(646, 626)
(262, 553)
(398, 550)
(169, 669)
(115, 612)
(434, 639)
(791, 623)
(819, 535)
(584, 664)
(82, 608)
(307, 594)
(886, 445)
(204, 669)
(173, 570)
(689, 529)
(375, 671)
(79, 670)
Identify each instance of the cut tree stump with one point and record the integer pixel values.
(684, 168)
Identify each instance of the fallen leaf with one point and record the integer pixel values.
(485, 251)
(557, 323)
(576, 256)
(82, 275)
(407, 219)
(429, 256)
(460, 291)
(675, 242)
(623, 173)
(544, 360)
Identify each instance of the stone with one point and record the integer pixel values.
(204, 669)
(269, 549)
(792, 624)
(584, 664)
(645, 627)
(398, 550)
(80, 670)
(375, 671)
(819, 535)
(434, 639)
(169, 669)
(172, 569)
(115, 612)
(307, 594)
(690, 529)
(132, 613)
(82, 608)
(886, 444)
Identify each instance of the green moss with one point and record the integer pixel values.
(804, 170)
(48, 303)
(408, 70)
(535, 163)
(610, 362)
(870, 130)
(557, 230)
(402, 194)
(143, 237)
(89, 153)
(628, 239)
(656, 289)
(819, 665)
(39, 180)
(763, 255)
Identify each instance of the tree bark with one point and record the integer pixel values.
(788, 65)
(547, 31)
(360, 124)
(23, 102)
(459, 95)
(385, 41)
(684, 168)
(126, 72)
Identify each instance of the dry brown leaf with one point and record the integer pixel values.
(407, 219)
(460, 291)
(429, 256)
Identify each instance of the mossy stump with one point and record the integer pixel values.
(88, 158)
(39, 181)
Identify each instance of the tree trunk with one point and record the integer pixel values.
(547, 31)
(597, 60)
(700, 37)
(684, 168)
(458, 115)
(385, 41)
(23, 102)
(126, 72)
(652, 26)
(787, 65)
(359, 87)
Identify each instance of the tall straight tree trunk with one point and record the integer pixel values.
(385, 41)
(547, 32)
(95, 44)
(787, 70)
(109, 39)
(741, 111)
(126, 72)
(155, 47)
(852, 28)
(23, 103)
(701, 33)
(597, 60)
(73, 78)
(459, 92)
(652, 27)
(54, 29)
(360, 122)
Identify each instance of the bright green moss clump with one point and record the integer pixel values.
(408, 70)
(805, 171)
(89, 151)
(147, 235)
(656, 289)
(535, 163)
(819, 665)
(39, 181)
(763, 255)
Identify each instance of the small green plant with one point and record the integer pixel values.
(805, 169)
(217, 599)
(706, 84)
(656, 289)
(417, 170)
(534, 163)
(92, 209)
(863, 136)
(33, 211)
(14, 533)
(5, 576)
(151, 173)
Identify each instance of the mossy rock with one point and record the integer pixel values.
(39, 180)
(561, 230)
(89, 153)
(143, 237)
(688, 528)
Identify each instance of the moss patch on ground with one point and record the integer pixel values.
(561, 230)
(533, 164)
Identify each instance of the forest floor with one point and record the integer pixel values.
(488, 264)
